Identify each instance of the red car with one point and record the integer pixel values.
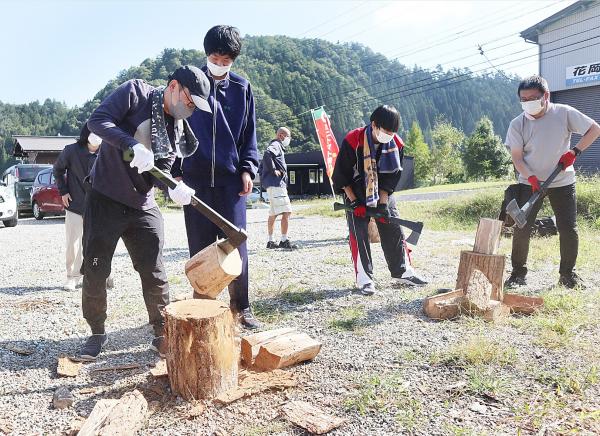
(45, 198)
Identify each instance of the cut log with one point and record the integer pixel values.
(310, 418)
(478, 292)
(373, 232)
(444, 306)
(286, 350)
(202, 360)
(251, 343)
(496, 311)
(122, 417)
(67, 367)
(211, 270)
(492, 265)
(487, 239)
(522, 303)
(251, 383)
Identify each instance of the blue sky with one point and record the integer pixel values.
(68, 50)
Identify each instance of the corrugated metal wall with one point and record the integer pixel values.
(573, 40)
(587, 100)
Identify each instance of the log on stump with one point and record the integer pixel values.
(211, 270)
(478, 293)
(373, 232)
(444, 306)
(286, 350)
(122, 417)
(522, 303)
(202, 360)
(251, 343)
(310, 418)
(487, 239)
(492, 265)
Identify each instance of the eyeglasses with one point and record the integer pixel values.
(189, 103)
(523, 100)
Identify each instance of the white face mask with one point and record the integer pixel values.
(383, 137)
(533, 107)
(94, 139)
(217, 70)
(286, 141)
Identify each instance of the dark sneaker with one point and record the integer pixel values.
(159, 345)
(368, 289)
(515, 280)
(571, 281)
(272, 244)
(413, 281)
(287, 245)
(93, 346)
(248, 320)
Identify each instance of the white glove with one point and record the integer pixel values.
(143, 158)
(182, 194)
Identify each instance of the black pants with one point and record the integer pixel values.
(392, 244)
(564, 205)
(142, 231)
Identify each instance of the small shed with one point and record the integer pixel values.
(40, 149)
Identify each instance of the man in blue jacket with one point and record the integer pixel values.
(152, 122)
(223, 167)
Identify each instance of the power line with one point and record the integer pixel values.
(328, 21)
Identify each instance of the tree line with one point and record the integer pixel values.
(290, 76)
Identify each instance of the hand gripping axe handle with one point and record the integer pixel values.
(235, 236)
(416, 227)
(519, 215)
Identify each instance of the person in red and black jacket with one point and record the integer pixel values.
(366, 172)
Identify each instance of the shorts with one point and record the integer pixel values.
(279, 200)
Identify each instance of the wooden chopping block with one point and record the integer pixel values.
(211, 270)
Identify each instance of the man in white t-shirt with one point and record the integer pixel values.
(539, 139)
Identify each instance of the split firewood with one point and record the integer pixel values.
(286, 350)
(523, 303)
(251, 383)
(478, 293)
(487, 239)
(310, 418)
(160, 370)
(495, 312)
(251, 343)
(122, 417)
(67, 367)
(444, 306)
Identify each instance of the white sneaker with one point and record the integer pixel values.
(70, 284)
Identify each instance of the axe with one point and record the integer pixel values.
(519, 215)
(234, 236)
(416, 227)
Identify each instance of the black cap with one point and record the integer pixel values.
(196, 82)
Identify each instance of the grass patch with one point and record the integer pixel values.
(476, 351)
(388, 394)
(485, 380)
(458, 186)
(267, 312)
(349, 319)
(571, 380)
(301, 297)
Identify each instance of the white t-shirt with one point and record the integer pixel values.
(546, 139)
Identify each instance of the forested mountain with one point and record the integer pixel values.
(289, 76)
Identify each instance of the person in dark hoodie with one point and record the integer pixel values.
(223, 167)
(366, 172)
(70, 169)
(152, 123)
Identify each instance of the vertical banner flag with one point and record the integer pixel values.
(328, 143)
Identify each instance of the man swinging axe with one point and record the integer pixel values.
(152, 122)
(539, 140)
(367, 171)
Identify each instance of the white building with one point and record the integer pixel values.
(569, 52)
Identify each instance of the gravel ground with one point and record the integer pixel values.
(377, 367)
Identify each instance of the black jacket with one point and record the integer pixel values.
(75, 161)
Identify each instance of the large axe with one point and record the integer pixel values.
(416, 227)
(519, 215)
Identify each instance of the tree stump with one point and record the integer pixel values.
(492, 265)
(202, 360)
(211, 270)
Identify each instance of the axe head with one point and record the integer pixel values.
(515, 212)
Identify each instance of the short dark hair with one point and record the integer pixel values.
(533, 82)
(84, 135)
(223, 40)
(386, 117)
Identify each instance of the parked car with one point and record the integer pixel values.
(45, 198)
(19, 178)
(8, 206)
